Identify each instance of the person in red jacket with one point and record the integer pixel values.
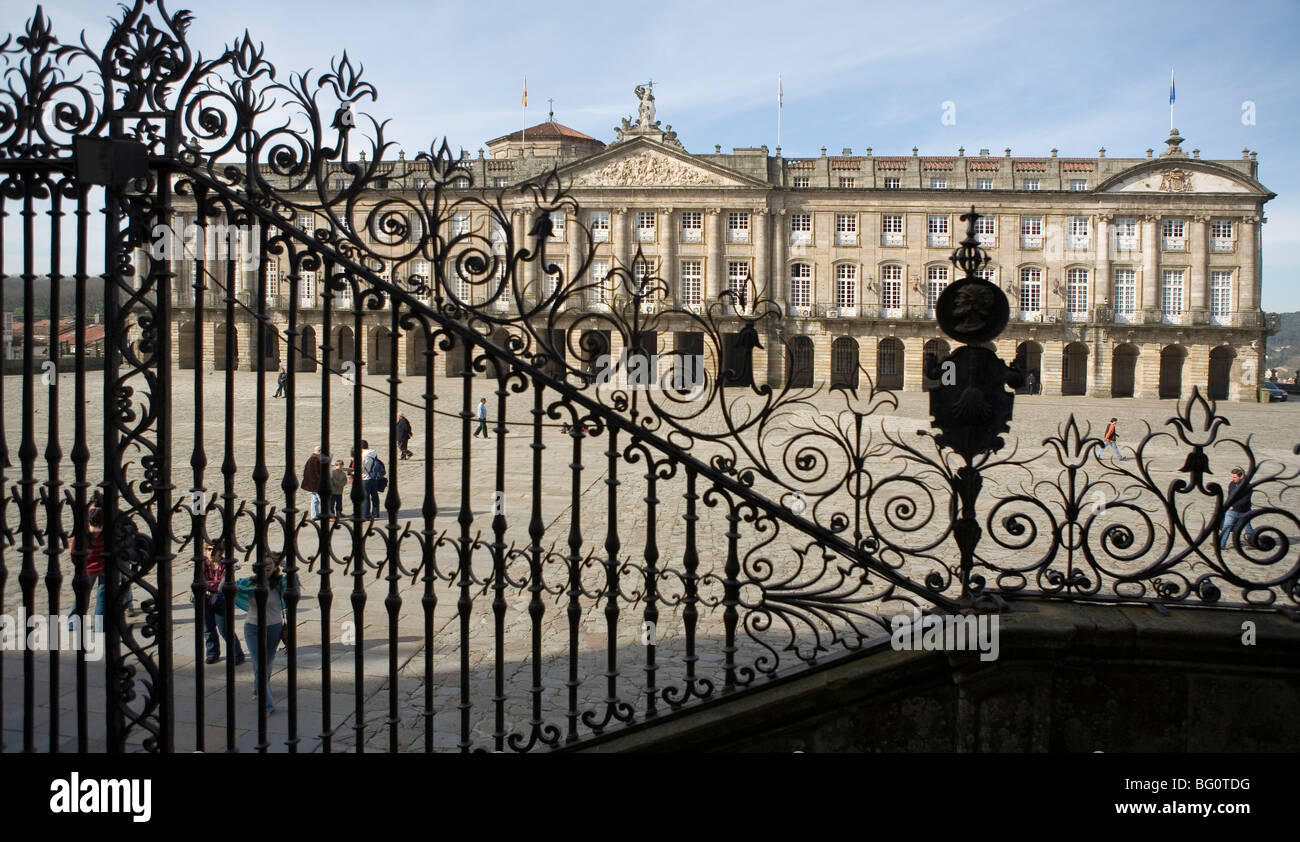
(94, 559)
(1110, 438)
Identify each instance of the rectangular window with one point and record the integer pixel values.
(891, 287)
(272, 280)
(497, 234)
(1173, 233)
(737, 227)
(847, 181)
(800, 181)
(1125, 293)
(307, 222)
(692, 283)
(939, 183)
(1076, 292)
(738, 281)
(891, 229)
(558, 221)
(1221, 235)
(892, 183)
(600, 226)
(692, 226)
(459, 224)
(1031, 232)
(1031, 184)
(599, 274)
(645, 226)
(936, 278)
(983, 184)
(986, 231)
(846, 229)
(1221, 296)
(1031, 293)
(937, 230)
(800, 229)
(801, 285)
(1079, 239)
(500, 181)
(1126, 235)
(1078, 185)
(846, 286)
(1171, 294)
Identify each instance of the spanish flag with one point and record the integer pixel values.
(525, 92)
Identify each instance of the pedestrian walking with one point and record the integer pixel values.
(274, 624)
(215, 621)
(372, 469)
(1239, 492)
(403, 430)
(1030, 382)
(311, 480)
(1110, 438)
(482, 418)
(280, 383)
(338, 482)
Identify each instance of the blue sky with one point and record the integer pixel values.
(1032, 76)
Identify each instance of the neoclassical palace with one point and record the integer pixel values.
(1126, 277)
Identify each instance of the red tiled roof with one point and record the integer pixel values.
(550, 130)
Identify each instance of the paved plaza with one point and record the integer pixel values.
(378, 618)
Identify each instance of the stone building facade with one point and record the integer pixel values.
(1126, 277)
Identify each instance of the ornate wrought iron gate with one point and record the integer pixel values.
(734, 531)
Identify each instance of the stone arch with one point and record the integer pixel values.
(934, 351)
(1123, 370)
(1221, 359)
(379, 350)
(186, 347)
(1172, 358)
(458, 357)
(344, 347)
(1074, 369)
(890, 357)
(270, 349)
(1029, 358)
(306, 349)
(225, 348)
(844, 362)
(800, 362)
(417, 346)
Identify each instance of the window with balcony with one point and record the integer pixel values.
(891, 229)
(1031, 294)
(738, 282)
(936, 278)
(800, 182)
(1125, 294)
(1076, 294)
(801, 287)
(986, 231)
(306, 284)
(1173, 233)
(891, 289)
(983, 184)
(937, 230)
(558, 220)
(1221, 235)
(497, 234)
(846, 288)
(599, 275)
(893, 183)
(1171, 295)
(692, 226)
(1078, 185)
(692, 283)
(645, 226)
(800, 229)
(1031, 232)
(272, 281)
(847, 181)
(737, 227)
(599, 226)
(846, 229)
(939, 183)
(1221, 297)
(1126, 235)
(1031, 183)
(1079, 233)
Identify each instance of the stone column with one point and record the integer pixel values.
(574, 247)
(715, 270)
(1150, 268)
(1248, 285)
(529, 282)
(780, 272)
(619, 237)
(1200, 277)
(762, 253)
(1101, 280)
(668, 269)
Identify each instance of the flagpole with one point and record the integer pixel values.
(523, 119)
(1171, 101)
(778, 110)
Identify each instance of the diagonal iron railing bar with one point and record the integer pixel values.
(576, 396)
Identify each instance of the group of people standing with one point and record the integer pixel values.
(217, 614)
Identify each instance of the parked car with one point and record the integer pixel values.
(1275, 392)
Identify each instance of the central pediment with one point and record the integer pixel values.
(648, 167)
